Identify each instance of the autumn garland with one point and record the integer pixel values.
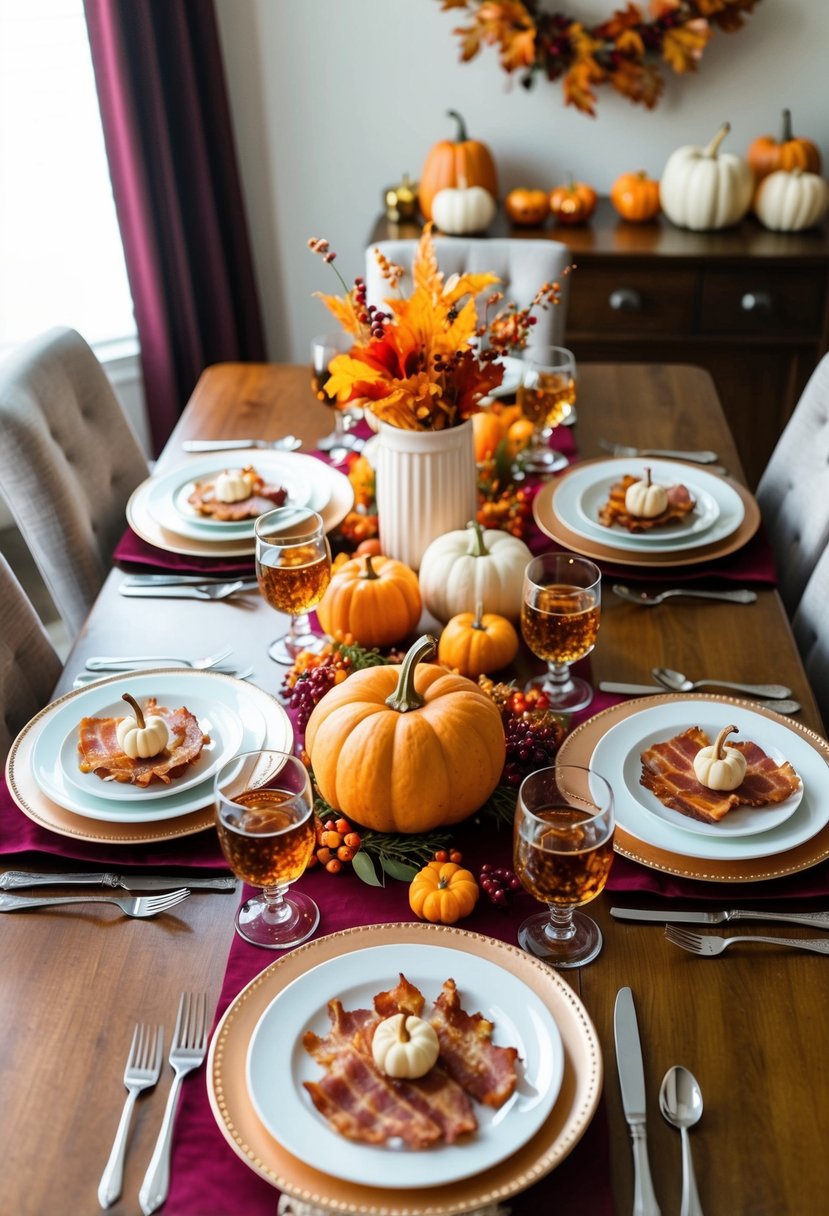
(623, 51)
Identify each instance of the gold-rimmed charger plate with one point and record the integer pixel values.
(143, 523)
(50, 815)
(578, 748)
(549, 523)
(564, 1127)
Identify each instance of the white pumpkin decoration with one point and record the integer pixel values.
(459, 210)
(141, 737)
(791, 200)
(470, 566)
(405, 1046)
(645, 499)
(719, 767)
(703, 188)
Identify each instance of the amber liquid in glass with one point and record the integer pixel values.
(561, 624)
(266, 846)
(569, 861)
(548, 402)
(294, 580)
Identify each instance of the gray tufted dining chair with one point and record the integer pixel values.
(69, 460)
(811, 631)
(793, 491)
(521, 265)
(29, 664)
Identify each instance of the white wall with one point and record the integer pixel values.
(333, 100)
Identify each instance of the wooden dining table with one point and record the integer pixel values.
(752, 1025)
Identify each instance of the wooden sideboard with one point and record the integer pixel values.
(749, 305)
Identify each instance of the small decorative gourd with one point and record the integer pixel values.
(635, 196)
(475, 643)
(527, 208)
(791, 200)
(233, 485)
(141, 738)
(459, 210)
(645, 499)
(442, 892)
(719, 767)
(374, 598)
(405, 1046)
(703, 188)
(470, 564)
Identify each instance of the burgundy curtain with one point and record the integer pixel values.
(169, 141)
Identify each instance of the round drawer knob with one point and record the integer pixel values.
(756, 301)
(625, 299)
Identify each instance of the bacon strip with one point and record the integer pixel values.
(668, 772)
(100, 752)
(485, 1071)
(680, 504)
(264, 497)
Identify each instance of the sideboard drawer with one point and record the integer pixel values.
(770, 301)
(627, 299)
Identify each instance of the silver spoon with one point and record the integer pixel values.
(740, 596)
(680, 1100)
(675, 681)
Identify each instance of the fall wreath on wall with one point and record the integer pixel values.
(626, 51)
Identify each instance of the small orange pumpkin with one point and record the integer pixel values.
(767, 154)
(449, 162)
(375, 599)
(573, 203)
(488, 430)
(475, 643)
(636, 197)
(527, 208)
(406, 748)
(442, 892)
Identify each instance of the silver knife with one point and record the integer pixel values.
(632, 1085)
(16, 880)
(183, 580)
(288, 443)
(818, 920)
(621, 449)
(172, 591)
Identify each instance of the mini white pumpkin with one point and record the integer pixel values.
(719, 767)
(703, 188)
(233, 485)
(645, 499)
(791, 200)
(459, 210)
(141, 738)
(405, 1046)
(470, 566)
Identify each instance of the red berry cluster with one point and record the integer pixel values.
(531, 729)
(497, 882)
(337, 842)
(444, 855)
(368, 314)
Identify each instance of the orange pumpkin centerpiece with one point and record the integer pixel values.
(375, 599)
(766, 154)
(406, 747)
(573, 203)
(636, 197)
(450, 162)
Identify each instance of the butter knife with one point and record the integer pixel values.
(16, 880)
(819, 920)
(632, 1086)
(288, 443)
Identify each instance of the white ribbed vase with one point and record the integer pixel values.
(426, 485)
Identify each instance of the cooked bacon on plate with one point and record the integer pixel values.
(680, 504)
(263, 497)
(100, 753)
(362, 1103)
(668, 772)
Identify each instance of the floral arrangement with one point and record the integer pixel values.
(427, 362)
(623, 51)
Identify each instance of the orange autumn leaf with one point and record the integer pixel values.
(682, 48)
(639, 83)
(343, 310)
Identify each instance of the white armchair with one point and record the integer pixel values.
(811, 631)
(521, 265)
(29, 664)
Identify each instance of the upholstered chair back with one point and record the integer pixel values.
(811, 631)
(521, 265)
(793, 492)
(69, 460)
(29, 664)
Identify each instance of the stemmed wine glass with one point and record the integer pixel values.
(324, 347)
(265, 820)
(293, 567)
(560, 610)
(562, 854)
(546, 395)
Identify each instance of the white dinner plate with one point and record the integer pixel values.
(278, 1064)
(271, 730)
(582, 490)
(223, 724)
(705, 513)
(616, 758)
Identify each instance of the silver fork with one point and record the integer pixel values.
(709, 945)
(137, 905)
(739, 596)
(128, 662)
(142, 1072)
(187, 1052)
(620, 449)
(188, 591)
